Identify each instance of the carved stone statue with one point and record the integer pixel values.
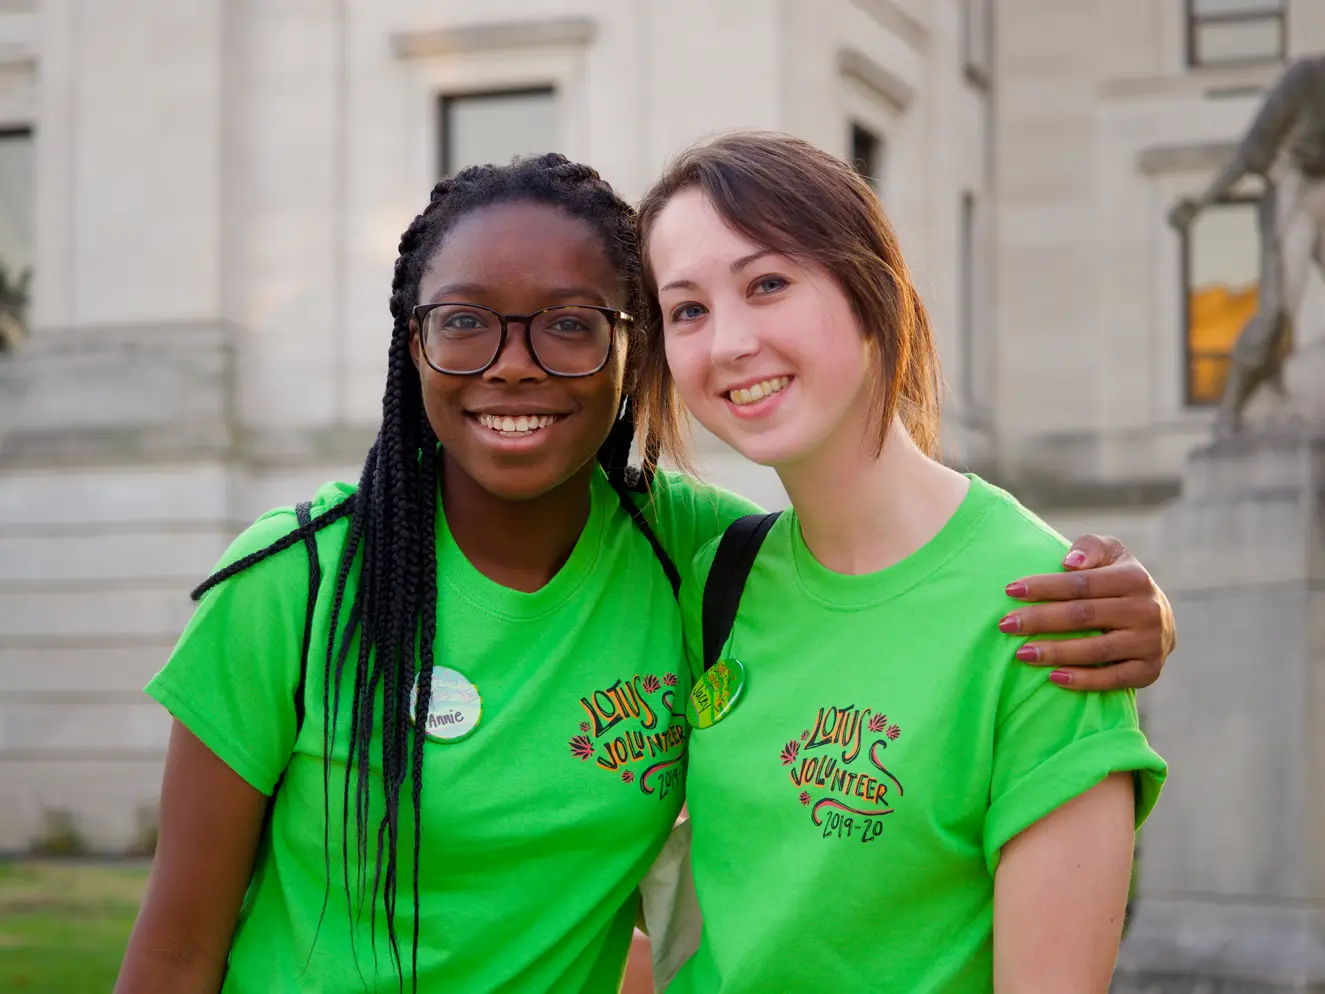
(1285, 146)
(14, 295)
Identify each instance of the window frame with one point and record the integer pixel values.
(1194, 20)
(446, 100)
(1185, 287)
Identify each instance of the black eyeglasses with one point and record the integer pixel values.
(566, 340)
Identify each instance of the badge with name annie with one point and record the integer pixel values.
(454, 708)
(715, 693)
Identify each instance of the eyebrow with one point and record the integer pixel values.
(459, 292)
(736, 267)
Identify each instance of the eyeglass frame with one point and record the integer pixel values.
(419, 314)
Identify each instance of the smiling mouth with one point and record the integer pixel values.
(516, 425)
(757, 392)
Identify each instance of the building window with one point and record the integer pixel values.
(16, 205)
(977, 39)
(479, 128)
(1221, 256)
(867, 156)
(1228, 32)
(969, 288)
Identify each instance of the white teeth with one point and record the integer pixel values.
(765, 388)
(514, 426)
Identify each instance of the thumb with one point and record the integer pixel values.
(1093, 551)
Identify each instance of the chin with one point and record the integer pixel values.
(772, 449)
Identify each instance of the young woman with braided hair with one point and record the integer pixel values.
(498, 573)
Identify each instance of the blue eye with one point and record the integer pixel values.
(687, 312)
(769, 284)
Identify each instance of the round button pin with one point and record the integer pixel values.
(454, 707)
(715, 693)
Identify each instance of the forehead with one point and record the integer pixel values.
(521, 248)
(689, 236)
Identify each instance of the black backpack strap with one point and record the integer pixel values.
(637, 516)
(736, 553)
(304, 513)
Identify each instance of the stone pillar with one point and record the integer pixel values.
(1232, 882)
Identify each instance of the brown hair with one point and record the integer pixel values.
(787, 195)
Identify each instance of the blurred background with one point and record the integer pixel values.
(199, 210)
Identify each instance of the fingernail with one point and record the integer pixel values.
(1010, 624)
(1061, 677)
(1017, 589)
(1028, 653)
(1075, 558)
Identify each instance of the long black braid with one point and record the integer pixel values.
(392, 519)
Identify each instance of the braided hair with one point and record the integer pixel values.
(392, 515)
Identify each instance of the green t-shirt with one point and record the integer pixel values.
(848, 813)
(536, 827)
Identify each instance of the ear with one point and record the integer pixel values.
(415, 347)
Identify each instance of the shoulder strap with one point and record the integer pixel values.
(637, 516)
(736, 553)
(303, 512)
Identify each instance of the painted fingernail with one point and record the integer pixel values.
(1028, 653)
(1074, 558)
(1010, 624)
(1017, 589)
(1061, 677)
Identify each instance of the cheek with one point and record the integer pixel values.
(689, 366)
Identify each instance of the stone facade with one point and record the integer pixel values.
(221, 186)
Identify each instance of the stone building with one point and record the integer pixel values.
(209, 196)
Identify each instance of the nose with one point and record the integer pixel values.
(515, 362)
(733, 337)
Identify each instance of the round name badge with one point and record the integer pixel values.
(715, 693)
(454, 708)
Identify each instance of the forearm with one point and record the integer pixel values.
(156, 962)
(1060, 894)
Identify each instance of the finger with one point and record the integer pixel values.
(1090, 551)
(1134, 674)
(1126, 579)
(1136, 613)
(1094, 650)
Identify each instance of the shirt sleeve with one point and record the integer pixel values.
(232, 676)
(686, 514)
(1051, 745)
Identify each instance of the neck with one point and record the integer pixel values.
(519, 544)
(860, 512)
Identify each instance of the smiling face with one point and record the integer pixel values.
(514, 429)
(766, 351)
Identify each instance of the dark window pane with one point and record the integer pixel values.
(496, 127)
(1258, 40)
(867, 155)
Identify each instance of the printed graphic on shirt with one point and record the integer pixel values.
(837, 767)
(631, 729)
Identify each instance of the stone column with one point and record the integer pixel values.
(1232, 882)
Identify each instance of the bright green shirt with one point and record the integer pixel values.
(848, 813)
(536, 827)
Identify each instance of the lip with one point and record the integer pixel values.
(512, 410)
(760, 408)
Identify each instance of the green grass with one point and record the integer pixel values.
(63, 926)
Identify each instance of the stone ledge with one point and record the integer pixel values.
(574, 31)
